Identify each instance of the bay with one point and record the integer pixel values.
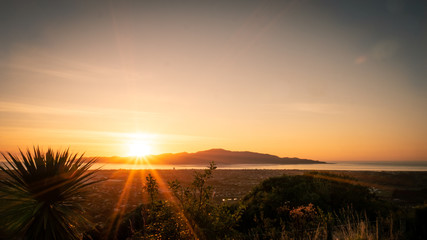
(347, 166)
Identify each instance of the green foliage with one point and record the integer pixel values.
(195, 198)
(153, 221)
(289, 202)
(151, 187)
(421, 221)
(202, 192)
(39, 196)
(330, 175)
(416, 223)
(208, 220)
(351, 225)
(156, 220)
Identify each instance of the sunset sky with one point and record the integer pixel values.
(325, 80)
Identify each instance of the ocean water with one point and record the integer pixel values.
(350, 166)
(347, 166)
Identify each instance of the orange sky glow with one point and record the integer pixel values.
(291, 79)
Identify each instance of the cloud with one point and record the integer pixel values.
(82, 136)
(38, 61)
(14, 107)
(316, 108)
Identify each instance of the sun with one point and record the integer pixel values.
(139, 149)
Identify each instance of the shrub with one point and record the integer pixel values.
(278, 200)
(39, 195)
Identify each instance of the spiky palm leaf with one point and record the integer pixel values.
(38, 195)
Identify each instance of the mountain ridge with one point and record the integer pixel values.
(218, 155)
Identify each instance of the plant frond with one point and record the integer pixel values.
(36, 198)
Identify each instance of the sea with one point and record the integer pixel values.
(377, 166)
(347, 166)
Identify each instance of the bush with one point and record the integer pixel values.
(38, 198)
(153, 221)
(277, 201)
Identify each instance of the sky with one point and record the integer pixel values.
(324, 80)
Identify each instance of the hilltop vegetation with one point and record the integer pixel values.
(316, 205)
(170, 204)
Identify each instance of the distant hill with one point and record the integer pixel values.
(219, 156)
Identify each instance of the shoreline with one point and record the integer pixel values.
(335, 166)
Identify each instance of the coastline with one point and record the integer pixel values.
(330, 166)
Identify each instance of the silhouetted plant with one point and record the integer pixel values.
(216, 221)
(152, 221)
(151, 187)
(197, 196)
(39, 195)
(283, 202)
(200, 187)
(208, 220)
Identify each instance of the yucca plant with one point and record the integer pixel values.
(39, 192)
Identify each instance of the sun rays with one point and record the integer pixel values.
(139, 145)
(139, 148)
(135, 182)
